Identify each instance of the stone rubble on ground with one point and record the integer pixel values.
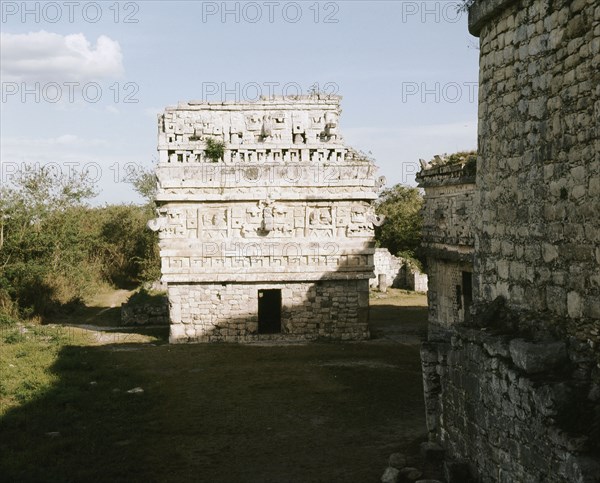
(390, 475)
(397, 460)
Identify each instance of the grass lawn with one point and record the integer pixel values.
(218, 413)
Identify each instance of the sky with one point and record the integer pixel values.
(83, 82)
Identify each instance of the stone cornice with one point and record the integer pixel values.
(482, 11)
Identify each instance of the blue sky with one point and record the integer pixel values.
(82, 83)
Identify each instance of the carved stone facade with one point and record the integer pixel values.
(513, 393)
(448, 241)
(286, 209)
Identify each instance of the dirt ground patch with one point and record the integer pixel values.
(320, 412)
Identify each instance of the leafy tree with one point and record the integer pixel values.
(145, 183)
(55, 250)
(401, 231)
(129, 249)
(147, 257)
(38, 212)
(464, 5)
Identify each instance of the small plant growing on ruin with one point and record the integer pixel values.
(468, 159)
(464, 5)
(214, 150)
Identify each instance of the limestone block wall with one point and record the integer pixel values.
(417, 281)
(398, 271)
(145, 313)
(229, 312)
(538, 173)
(510, 408)
(389, 265)
(518, 397)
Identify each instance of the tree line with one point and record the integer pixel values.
(56, 250)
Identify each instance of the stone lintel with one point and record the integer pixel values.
(272, 146)
(451, 254)
(454, 174)
(446, 181)
(270, 247)
(267, 277)
(290, 103)
(262, 194)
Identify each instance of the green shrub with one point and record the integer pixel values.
(55, 251)
(411, 259)
(214, 150)
(401, 229)
(7, 321)
(14, 337)
(144, 296)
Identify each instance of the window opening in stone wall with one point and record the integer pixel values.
(269, 311)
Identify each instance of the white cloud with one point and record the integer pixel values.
(46, 56)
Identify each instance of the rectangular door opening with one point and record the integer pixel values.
(269, 311)
(467, 292)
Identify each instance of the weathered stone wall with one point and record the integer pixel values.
(448, 240)
(387, 264)
(447, 208)
(151, 313)
(518, 397)
(417, 281)
(446, 302)
(509, 408)
(538, 173)
(228, 312)
(398, 272)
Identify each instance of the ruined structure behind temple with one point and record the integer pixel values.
(273, 237)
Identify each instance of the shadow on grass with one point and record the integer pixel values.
(87, 314)
(218, 412)
(406, 324)
(68, 430)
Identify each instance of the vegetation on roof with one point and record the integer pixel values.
(468, 159)
(214, 150)
(464, 5)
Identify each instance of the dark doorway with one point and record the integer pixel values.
(269, 311)
(467, 290)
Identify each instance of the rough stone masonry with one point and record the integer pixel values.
(512, 385)
(272, 238)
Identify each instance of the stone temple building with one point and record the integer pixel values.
(511, 367)
(266, 221)
(448, 241)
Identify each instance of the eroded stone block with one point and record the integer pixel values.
(535, 357)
